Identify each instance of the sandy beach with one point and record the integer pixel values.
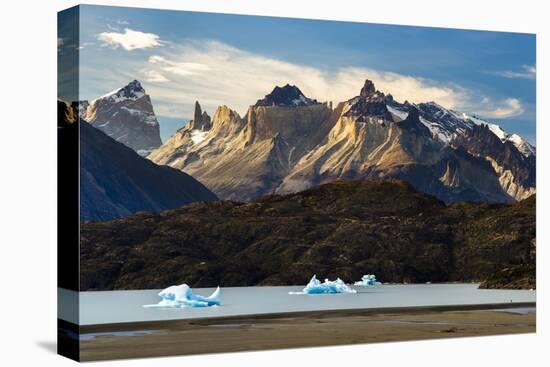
(301, 329)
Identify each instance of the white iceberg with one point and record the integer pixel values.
(366, 280)
(315, 286)
(178, 296)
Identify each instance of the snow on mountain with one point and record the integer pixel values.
(446, 124)
(198, 136)
(521, 144)
(399, 113)
(132, 91)
(126, 115)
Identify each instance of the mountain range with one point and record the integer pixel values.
(411, 192)
(287, 142)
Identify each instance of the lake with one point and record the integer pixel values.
(105, 307)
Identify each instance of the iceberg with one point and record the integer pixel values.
(368, 279)
(178, 296)
(315, 286)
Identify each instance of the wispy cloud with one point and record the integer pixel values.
(215, 73)
(526, 72)
(153, 76)
(129, 39)
(178, 67)
(509, 107)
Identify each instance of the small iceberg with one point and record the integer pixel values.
(315, 286)
(178, 296)
(366, 280)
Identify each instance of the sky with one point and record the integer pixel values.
(217, 59)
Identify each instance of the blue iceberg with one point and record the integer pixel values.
(315, 286)
(368, 279)
(178, 296)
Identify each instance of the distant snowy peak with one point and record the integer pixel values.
(288, 95)
(446, 124)
(126, 115)
(521, 144)
(132, 91)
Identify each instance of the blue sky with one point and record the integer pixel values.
(220, 59)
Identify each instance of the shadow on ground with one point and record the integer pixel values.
(48, 345)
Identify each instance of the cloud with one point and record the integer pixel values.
(179, 68)
(217, 74)
(153, 76)
(509, 107)
(527, 72)
(129, 40)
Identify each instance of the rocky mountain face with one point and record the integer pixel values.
(345, 229)
(242, 158)
(126, 115)
(516, 169)
(288, 142)
(116, 182)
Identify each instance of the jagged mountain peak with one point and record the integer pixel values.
(134, 85)
(368, 89)
(198, 110)
(524, 147)
(288, 95)
(131, 91)
(201, 120)
(126, 115)
(447, 124)
(369, 103)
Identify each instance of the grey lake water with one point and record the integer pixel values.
(107, 307)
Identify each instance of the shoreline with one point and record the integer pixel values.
(297, 330)
(122, 326)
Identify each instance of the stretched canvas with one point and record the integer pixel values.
(232, 183)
